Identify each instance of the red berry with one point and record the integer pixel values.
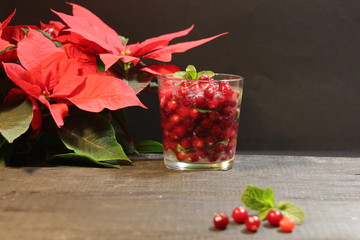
(252, 223)
(198, 143)
(172, 105)
(181, 156)
(175, 119)
(194, 113)
(183, 112)
(239, 214)
(183, 91)
(213, 104)
(209, 92)
(274, 217)
(185, 142)
(205, 77)
(215, 130)
(287, 224)
(199, 101)
(180, 131)
(206, 123)
(221, 221)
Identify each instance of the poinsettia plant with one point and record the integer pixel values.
(64, 86)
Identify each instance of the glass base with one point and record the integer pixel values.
(176, 165)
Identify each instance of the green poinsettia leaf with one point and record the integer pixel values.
(92, 135)
(8, 48)
(15, 119)
(139, 81)
(149, 146)
(78, 159)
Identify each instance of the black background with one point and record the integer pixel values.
(300, 60)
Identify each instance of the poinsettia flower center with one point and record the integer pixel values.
(126, 52)
(46, 94)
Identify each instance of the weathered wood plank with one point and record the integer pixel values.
(148, 201)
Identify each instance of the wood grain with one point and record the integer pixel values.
(148, 201)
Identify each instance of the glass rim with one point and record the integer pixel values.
(226, 77)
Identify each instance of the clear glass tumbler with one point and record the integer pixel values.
(199, 121)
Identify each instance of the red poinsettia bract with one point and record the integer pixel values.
(92, 33)
(6, 55)
(48, 75)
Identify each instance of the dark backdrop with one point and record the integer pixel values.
(300, 60)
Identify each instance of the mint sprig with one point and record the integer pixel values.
(263, 200)
(191, 73)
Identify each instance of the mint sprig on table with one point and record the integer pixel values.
(191, 73)
(262, 200)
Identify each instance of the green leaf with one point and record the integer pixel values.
(15, 119)
(180, 74)
(78, 159)
(263, 214)
(149, 146)
(204, 110)
(92, 135)
(100, 65)
(191, 71)
(291, 210)
(8, 48)
(209, 73)
(257, 198)
(124, 40)
(139, 81)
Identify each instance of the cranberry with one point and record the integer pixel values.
(287, 224)
(239, 214)
(181, 156)
(188, 122)
(221, 221)
(185, 142)
(172, 105)
(183, 112)
(184, 91)
(194, 157)
(206, 123)
(198, 143)
(194, 113)
(205, 77)
(210, 141)
(274, 217)
(213, 104)
(209, 92)
(215, 130)
(175, 119)
(180, 131)
(199, 101)
(252, 223)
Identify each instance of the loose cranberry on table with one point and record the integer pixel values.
(252, 223)
(239, 214)
(221, 220)
(287, 224)
(274, 217)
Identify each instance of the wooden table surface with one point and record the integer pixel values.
(148, 201)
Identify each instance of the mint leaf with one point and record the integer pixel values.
(180, 74)
(209, 73)
(191, 71)
(263, 214)
(257, 198)
(291, 210)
